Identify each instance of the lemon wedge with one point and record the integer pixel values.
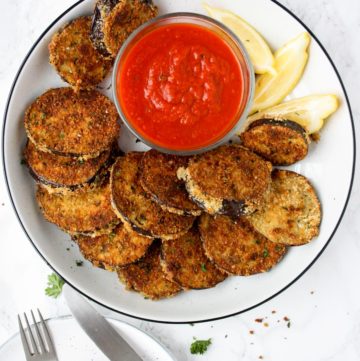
(290, 62)
(309, 111)
(259, 51)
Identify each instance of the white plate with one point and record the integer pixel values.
(71, 343)
(329, 166)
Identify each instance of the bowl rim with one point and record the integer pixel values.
(347, 102)
(248, 64)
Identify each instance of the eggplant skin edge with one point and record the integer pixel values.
(282, 142)
(117, 19)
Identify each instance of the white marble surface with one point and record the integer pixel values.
(323, 306)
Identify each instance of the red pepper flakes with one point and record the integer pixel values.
(259, 320)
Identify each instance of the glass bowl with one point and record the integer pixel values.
(226, 35)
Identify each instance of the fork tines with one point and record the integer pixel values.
(39, 343)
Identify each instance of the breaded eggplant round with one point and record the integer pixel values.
(229, 180)
(74, 57)
(147, 277)
(185, 263)
(280, 142)
(236, 247)
(136, 208)
(116, 249)
(115, 20)
(158, 178)
(86, 210)
(61, 171)
(72, 124)
(291, 213)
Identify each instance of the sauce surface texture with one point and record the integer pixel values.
(180, 86)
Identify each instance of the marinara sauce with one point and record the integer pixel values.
(180, 86)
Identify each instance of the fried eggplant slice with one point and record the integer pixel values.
(86, 210)
(147, 277)
(116, 249)
(280, 142)
(115, 20)
(229, 180)
(60, 171)
(74, 57)
(158, 178)
(236, 247)
(72, 124)
(291, 213)
(185, 263)
(136, 208)
(101, 11)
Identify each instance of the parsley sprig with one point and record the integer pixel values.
(55, 284)
(200, 346)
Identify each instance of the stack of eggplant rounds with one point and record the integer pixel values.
(224, 212)
(71, 143)
(164, 223)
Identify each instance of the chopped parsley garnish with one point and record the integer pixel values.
(203, 267)
(79, 263)
(200, 346)
(62, 135)
(265, 253)
(55, 284)
(23, 161)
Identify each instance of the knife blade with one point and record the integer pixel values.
(98, 328)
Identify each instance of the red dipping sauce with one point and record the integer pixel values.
(180, 87)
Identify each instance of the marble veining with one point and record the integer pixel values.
(323, 307)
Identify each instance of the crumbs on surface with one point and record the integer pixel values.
(259, 320)
(315, 137)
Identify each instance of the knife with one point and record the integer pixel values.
(98, 328)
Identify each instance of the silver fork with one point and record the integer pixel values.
(39, 347)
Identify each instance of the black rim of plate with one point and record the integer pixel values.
(188, 321)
